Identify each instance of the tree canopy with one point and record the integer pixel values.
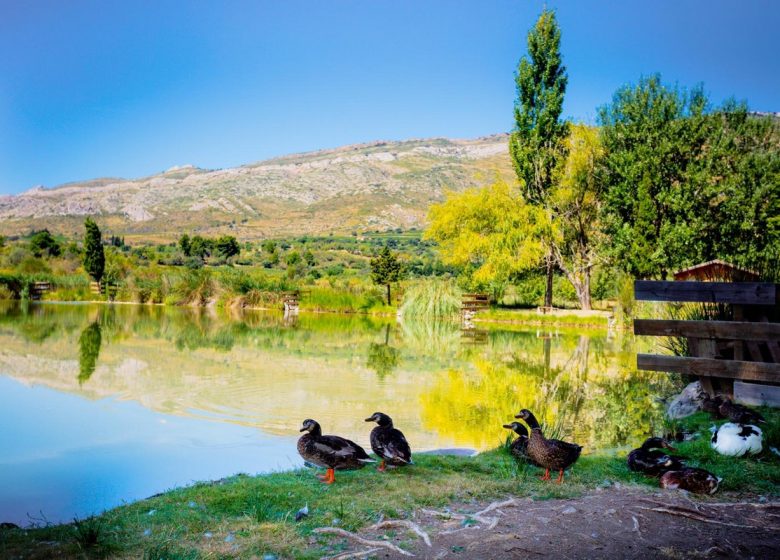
(492, 233)
(386, 269)
(685, 184)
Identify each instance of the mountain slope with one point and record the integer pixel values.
(379, 185)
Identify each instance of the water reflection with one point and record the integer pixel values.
(89, 350)
(264, 373)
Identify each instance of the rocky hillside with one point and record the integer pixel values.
(379, 185)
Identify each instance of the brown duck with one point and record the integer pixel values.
(550, 454)
(693, 480)
(330, 452)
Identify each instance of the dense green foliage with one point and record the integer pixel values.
(43, 242)
(683, 183)
(94, 257)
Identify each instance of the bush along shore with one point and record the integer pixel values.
(255, 516)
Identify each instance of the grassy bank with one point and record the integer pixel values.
(253, 516)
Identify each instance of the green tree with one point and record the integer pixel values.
(184, 245)
(293, 258)
(386, 269)
(44, 242)
(308, 256)
(576, 200)
(227, 246)
(536, 141)
(652, 134)
(492, 234)
(94, 258)
(201, 247)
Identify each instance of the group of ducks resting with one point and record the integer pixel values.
(738, 437)
(337, 453)
(735, 438)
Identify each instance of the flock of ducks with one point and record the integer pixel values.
(738, 437)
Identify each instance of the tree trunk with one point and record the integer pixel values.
(583, 292)
(548, 292)
(388, 295)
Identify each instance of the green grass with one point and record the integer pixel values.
(251, 516)
(531, 317)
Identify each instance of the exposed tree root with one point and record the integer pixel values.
(480, 517)
(345, 555)
(414, 527)
(690, 514)
(361, 540)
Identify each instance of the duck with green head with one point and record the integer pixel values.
(550, 454)
(330, 452)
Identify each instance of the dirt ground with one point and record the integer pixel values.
(618, 522)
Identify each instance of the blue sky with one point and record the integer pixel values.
(126, 89)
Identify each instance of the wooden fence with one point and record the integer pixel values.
(744, 349)
(471, 303)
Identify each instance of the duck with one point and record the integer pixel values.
(388, 443)
(519, 447)
(330, 452)
(736, 440)
(649, 459)
(739, 414)
(549, 454)
(711, 404)
(698, 481)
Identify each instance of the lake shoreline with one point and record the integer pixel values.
(254, 516)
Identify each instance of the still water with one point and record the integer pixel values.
(101, 405)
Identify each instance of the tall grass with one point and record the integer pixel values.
(431, 299)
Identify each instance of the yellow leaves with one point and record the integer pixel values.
(490, 230)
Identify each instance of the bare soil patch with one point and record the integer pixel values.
(617, 522)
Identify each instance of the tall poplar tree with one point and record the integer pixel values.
(94, 258)
(536, 144)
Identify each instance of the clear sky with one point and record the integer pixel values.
(130, 88)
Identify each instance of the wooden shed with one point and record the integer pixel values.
(716, 271)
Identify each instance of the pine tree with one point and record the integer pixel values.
(385, 269)
(94, 258)
(536, 143)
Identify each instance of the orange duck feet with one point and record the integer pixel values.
(546, 475)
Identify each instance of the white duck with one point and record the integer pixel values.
(736, 440)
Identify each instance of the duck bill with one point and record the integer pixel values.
(303, 429)
(508, 426)
(669, 446)
(518, 415)
(369, 419)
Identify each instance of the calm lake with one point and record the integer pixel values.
(101, 405)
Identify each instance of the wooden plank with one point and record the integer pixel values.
(756, 394)
(724, 330)
(708, 367)
(744, 293)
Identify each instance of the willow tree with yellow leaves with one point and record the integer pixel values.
(576, 203)
(491, 233)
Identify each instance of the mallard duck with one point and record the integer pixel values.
(693, 480)
(330, 452)
(548, 453)
(389, 444)
(519, 447)
(736, 440)
(738, 413)
(649, 458)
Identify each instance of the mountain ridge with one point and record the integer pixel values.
(372, 185)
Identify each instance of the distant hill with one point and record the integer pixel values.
(380, 185)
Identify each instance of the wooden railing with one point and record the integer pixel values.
(474, 302)
(746, 348)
